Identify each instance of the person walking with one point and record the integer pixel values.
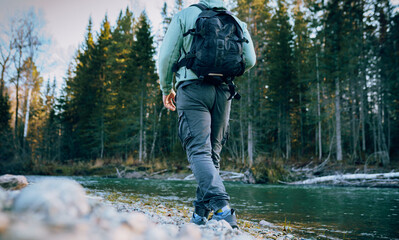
(204, 93)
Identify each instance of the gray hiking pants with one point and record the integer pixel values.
(203, 123)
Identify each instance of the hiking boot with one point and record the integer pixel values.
(197, 219)
(227, 215)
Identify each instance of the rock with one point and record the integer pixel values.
(212, 224)
(156, 233)
(122, 232)
(10, 198)
(171, 229)
(225, 225)
(249, 176)
(53, 199)
(105, 217)
(189, 231)
(138, 222)
(135, 175)
(264, 223)
(4, 222)
(3, 198)
(27, 228)
(13, 182)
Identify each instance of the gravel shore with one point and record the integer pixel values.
(63, 209)
(171, 215)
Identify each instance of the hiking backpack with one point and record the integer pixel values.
(216, 53)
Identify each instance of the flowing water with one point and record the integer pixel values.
(318, 212)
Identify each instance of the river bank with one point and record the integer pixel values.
(63, 209)
(380, 180)
(273, 172)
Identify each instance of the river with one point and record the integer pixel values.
(311, 211)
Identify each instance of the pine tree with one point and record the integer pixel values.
(334, 41)
(118, 60)
(251, 85)
(68, 119)
(144, 69)
(301, 74)
(283, 89)
(81, 100)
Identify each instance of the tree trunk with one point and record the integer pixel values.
(250, 133)
(27, 114)
(242, 134)
(18, 67)
(301, 122)
(102, 137)
(250, 145)
(279, 131)
(363, 87)
(318, 108)
(3, 70)
(287, 143)
(352, 89)
(338, 120)
(16, 105)
(156, 133)
(374, 136)
(141, 127)
(362, 120)
(144, 144)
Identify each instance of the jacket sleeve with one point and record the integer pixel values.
(169, 54)
(248, 49)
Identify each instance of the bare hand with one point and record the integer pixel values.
(169, 100)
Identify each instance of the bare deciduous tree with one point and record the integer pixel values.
(25, 42)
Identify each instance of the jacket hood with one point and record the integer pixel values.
(213, 3)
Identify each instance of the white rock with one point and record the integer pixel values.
(189, 231)
(138, 222)
(13, 182)
(212, 223)
(156, 233)
(264, 223)
(122, 232)
(224, 225)
(27, 228)
(171, 229)
(53, 199)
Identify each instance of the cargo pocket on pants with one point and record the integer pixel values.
(184, 130)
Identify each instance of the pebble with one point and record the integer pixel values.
(53, 199)
(190, 231)
(138, 222)
(264, 223)
(13, 182)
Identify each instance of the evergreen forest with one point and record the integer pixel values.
(325, 90)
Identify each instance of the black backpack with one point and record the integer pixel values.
(216, 53)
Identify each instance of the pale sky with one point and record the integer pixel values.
(65, 23)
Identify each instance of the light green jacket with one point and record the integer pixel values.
(171, 49)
